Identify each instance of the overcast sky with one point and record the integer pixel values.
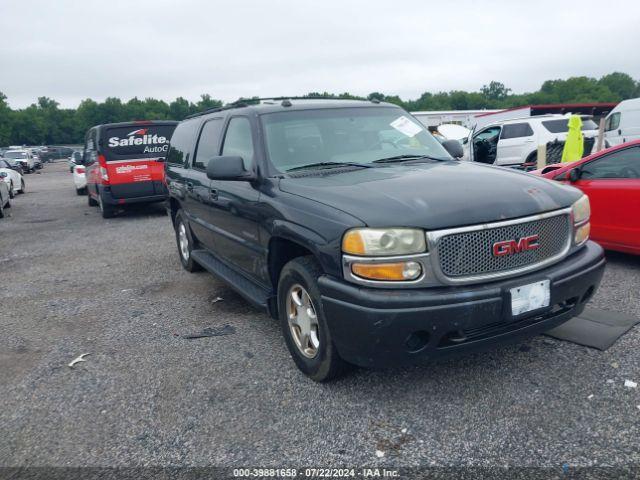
(71, 50)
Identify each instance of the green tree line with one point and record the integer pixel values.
(45, 123)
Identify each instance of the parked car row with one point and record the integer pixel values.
(11, 183)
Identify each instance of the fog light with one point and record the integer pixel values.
(395, 272)
(582, 233)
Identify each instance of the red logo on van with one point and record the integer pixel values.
(141, 131)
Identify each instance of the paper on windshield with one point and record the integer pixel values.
(406, 126)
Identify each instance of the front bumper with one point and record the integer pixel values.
(378, 327)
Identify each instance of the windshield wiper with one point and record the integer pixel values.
(407, 158)
(330, 165)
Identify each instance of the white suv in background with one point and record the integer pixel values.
(24, 157)
(514, 142)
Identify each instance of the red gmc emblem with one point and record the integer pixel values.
(509, 247)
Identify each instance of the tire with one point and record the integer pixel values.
(22, 186)
(185, 243)
(1, 210)
(90, 200)
(107, 211)
(320, 361)
(81, 191)
(12, 194)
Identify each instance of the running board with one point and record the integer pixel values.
(257, 295)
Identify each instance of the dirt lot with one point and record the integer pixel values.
(73, 283)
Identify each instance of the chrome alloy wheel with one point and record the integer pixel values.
(184, 241)
(303, 321)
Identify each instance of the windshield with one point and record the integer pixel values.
(354, 135)
(15, 154)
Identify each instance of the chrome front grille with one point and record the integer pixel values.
(467, 253)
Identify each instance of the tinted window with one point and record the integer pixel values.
(622, 164)
(208, 143)
(15, 155)
(136, 141)
(181, 142)
(613, 122)
(238, 141)
(562, 125)
(362, 135)
(516, 130)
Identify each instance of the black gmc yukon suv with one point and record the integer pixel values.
(359, 231)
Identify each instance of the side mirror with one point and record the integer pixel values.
(454, 148)
(228, 168)
(3, 174)
(574, 175)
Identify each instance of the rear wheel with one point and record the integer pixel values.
(90, 200)
(185, 242)
(106, 210)
(303, 323)
(81, 191)
(1, 209)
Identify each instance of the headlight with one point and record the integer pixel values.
(384, 241)
(581, 210)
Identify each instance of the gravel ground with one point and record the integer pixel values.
(74, 283)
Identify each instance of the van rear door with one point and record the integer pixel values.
(134, 157)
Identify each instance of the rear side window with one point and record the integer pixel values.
(208, 143)
(181, 142)
(137, 141)
(238, 140)
(516, 130)
(562, 125)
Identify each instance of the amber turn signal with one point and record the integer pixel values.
(393, 272)
(582, 233)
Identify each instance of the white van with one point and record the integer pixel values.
(623, 123)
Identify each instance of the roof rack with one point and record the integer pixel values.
(229, 106)
(286, 102)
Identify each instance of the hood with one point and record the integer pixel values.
(432, 195)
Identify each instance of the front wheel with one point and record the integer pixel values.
(185, 242)
(22, 187)
(303, 322)
(12, 193)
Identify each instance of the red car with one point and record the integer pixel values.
(611, 179)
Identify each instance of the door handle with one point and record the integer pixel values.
(189, 186)
(213, 194)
